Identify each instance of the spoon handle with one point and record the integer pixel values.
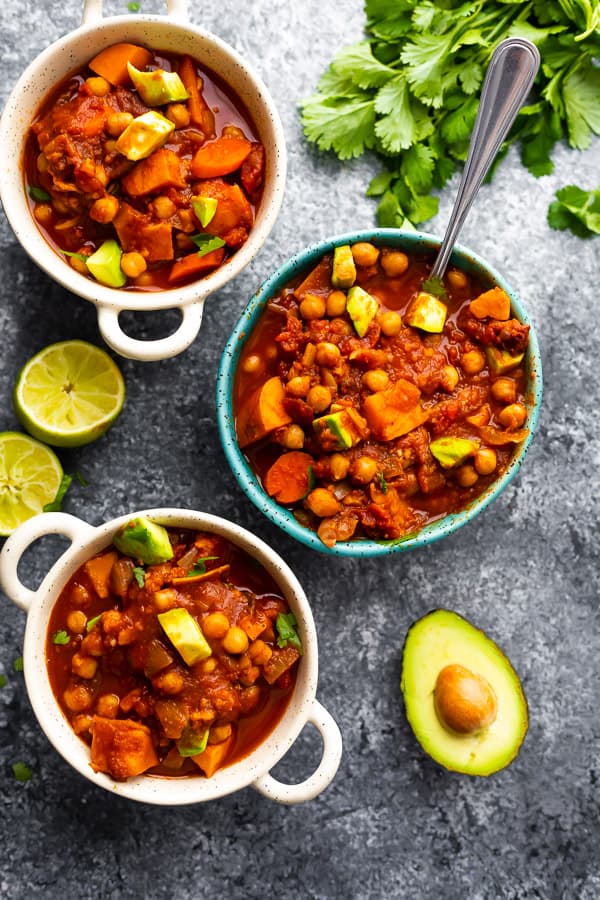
(508, 80)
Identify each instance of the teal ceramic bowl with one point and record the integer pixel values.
(411, 243)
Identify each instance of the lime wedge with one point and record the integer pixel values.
(30, 475)
(69, 393)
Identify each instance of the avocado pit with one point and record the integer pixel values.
(464, 701)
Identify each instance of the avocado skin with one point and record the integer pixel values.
(144, 540)
(414, 717)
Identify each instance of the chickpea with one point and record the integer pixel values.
(219, 733)
(178, 114)
(457, 279)
(43, 213)
(84, 666)
(298, 386)
(110, 148)
(319, 397)
(504, 390)
(364, 254)
(336, 304)
(104, 210)
(165, 599)
(485, 461)
(133, 264)
(271, 352)
(108, 705)
(164, 207)
(76, 621)
(339, 466)
(41, 163)
(376, 380)
(327, 354)
(259, 652)
(183, 241)
(363, 469)
(215, 625)
(322, 503)
(308, 357)
(249, 698)
(513, 415)
(394, 262)
(466, 476)
(253, 364)
(292, 437)
(207, 666)
(312, 307)
(449, 378)
(98, 86)
(117, 122)
(79, 265)
(390, 323)
(78, 697)
(82, 723)
(144, 279)
(169, 682)
(235, 641)
(249, 676)
(472, 362)
(91, 645)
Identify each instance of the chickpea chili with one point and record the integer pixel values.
(371, 403)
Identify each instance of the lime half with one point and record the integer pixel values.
(69, 393)
(30, 475)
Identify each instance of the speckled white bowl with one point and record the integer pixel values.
(171, 33)
(252, 770)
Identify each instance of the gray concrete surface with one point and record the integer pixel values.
(393, 824)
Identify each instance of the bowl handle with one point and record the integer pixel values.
(318, 781)
(149, 351)
(92, 10)
(19, 541)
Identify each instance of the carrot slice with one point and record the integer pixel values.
(200, 113)
(262, 413)
(220, 157)
(494, 304)
(192, 264)
(288, 479)
(112, 62)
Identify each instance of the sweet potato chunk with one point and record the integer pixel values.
(138, 232)
(213, 757)
(121, 747)
(162, 169)
(112, 62)
(233, 218)
(288, 479)
(262, 413)
(220, 157)
(395, 411)
(494, 304)
(98, 570)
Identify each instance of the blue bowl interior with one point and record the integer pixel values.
(412, 242)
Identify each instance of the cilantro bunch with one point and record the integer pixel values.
(411, 91)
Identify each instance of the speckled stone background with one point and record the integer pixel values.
(392, 824)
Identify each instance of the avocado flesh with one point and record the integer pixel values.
(427, 313)
(451, 451)
(204, 209)
(105, 264)
(362, 308)
(344, 269)
(144, 540)
(443, 638)
(185, 634)
(157, 87)
(144, 135)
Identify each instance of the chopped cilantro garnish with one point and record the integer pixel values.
(199, 567)
(38, 194)
(192, 742)
(82, 481)
(206, 243)
(61, 637)
(18, 664)
(91, 623)
(140, 576)
(133, 6)
(3, 681)
(56, 504)
(383, 485)
(436, 287)
(80, 256)
(311, 482)
(576, 209)
(285, 624)
(21, 771)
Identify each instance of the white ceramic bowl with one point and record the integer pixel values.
(169, 33)
(252, 770)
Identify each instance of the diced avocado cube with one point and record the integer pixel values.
(451, 451)
(144, 135)
(105, 264)
(185, 634)
(142, 539)
(158, 87)
(204, 209)
(340, 430)
(427, 313)
(344, 270)
(362, 309)
(501, 361)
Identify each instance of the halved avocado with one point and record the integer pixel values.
(463, 699)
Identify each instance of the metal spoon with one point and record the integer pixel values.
(508, 80)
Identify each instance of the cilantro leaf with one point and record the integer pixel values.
(18, 664)
(192, 742)
(82, 481)
(436, 287)
(61, 638)
(3, 681)
(199, 567)
(383, 485)
(577, 210)
(343, 124)
(21, 771)
(91, 623)
(56, 504)
(285, 625)
(581, 94)
(38, 194)
(206, 243)
(140, 576)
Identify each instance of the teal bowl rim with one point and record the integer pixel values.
(417, 242)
